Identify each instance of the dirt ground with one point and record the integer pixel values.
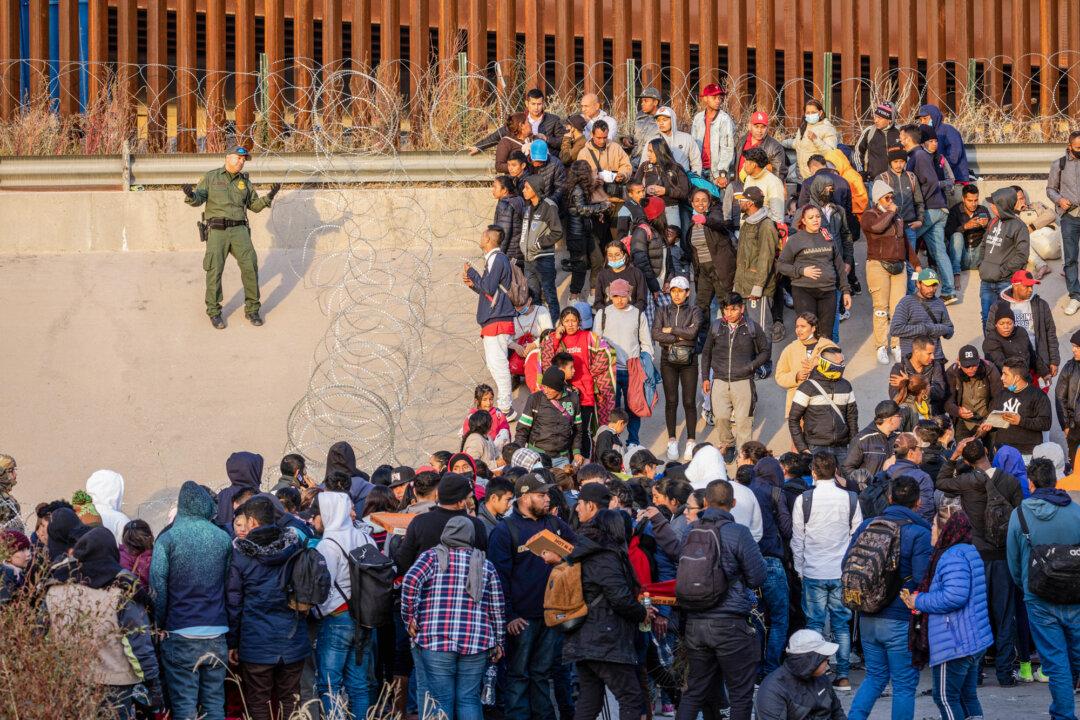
(110, 362)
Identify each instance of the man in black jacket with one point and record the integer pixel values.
(712, 255)
(1067, 397)
(800, 689)
(973, 383)
(921, 362)
(721, 643)
(1032, 314)
(425, 531)
(872, 148)
(970, 480)
(549, 127)
(735, 349)
(874, 443)
(824, 414)
(1026, 409)
(551, 420)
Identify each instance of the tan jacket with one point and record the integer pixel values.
(790, 363)
(612, 157)
(76, 607)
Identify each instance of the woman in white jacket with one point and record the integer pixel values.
(816, 136)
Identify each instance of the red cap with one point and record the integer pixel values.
(759, 118)
(1023, 277)
(654, 207)
(713, 90)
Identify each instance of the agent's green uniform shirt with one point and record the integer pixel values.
(229, 197)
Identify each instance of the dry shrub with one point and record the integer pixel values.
(40, 673)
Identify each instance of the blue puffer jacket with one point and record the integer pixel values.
(956, 603)
(261, 625)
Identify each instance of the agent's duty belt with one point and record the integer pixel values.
(224, 223)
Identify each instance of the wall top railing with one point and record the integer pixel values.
(144, 171)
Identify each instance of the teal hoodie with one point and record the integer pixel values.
(1049, 524)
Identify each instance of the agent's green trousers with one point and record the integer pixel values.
(237, 242)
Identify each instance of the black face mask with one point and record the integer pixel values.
(1075, 154)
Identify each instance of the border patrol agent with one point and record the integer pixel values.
(228, 195)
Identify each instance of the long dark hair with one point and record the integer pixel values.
(957, 530)
(479, 423)
(380, 499)
(821, 109)
(664, 159)
(607, 529)
(579, 174)
(137, 537)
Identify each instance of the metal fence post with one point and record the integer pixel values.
(826, 91)
(631, 93)
(264, 97)
(972, 86)
(463, 74)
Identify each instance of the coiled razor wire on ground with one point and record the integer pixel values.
(396, 368)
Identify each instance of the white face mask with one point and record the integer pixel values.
(812, 118)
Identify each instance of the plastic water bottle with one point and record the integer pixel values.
(646, 624)
(487, 692)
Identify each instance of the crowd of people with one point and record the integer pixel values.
(553, 560)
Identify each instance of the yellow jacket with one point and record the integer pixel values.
(859, 199)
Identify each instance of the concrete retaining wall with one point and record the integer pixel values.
(73, 222)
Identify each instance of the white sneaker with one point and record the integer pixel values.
(673, 449)
(883, 355)
(1072, 307)
(896, 354)
(688, 452)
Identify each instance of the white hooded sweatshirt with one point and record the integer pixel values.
(339, 533)
(106, 489)
(708, 465)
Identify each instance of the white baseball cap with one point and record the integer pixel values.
(810, 641)
(666, 111)
(679, 282)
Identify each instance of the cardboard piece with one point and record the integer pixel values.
(547, 540)
(393, 523)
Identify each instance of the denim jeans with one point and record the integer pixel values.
(822, 602)
(933, 234)
(912, 237)
(530, 664)
(840, 452)
(989, 293)
(774, 593)
(956, 688)
(1001, 602)
(966, 258)
(540, 276)
(194, 680)
(1056, 632)
(1070, 248)
(453, 681)
(622, 384)
(339, 673)
(885, 649)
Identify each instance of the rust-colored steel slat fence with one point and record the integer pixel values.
(199, 75)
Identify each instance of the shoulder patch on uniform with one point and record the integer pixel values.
(241, 185)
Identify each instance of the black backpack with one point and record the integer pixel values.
(306, 580)
(700, 580)
(997, 513)
(371, 580)
(875, 496)
(1053, 570)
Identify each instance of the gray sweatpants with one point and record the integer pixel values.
(727, 397)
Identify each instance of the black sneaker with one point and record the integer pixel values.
(856, 287)
(1010, 681)
(778, 331)
(841, 685)
(218, 322)
(255, 319)
(567, 265)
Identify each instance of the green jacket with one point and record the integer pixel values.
(227, 196)
(755, 263)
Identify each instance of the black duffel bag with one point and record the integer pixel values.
(1053, 570)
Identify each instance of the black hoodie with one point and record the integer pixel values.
(1033, 407)
(1005, 245)
(245, 472)
(791, 692)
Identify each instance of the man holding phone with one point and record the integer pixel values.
(495, 313)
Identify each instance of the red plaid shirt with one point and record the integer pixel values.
(448, 619)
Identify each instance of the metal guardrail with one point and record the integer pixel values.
(119, 171)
